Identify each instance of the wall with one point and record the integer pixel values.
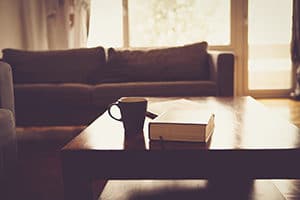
(10, 25)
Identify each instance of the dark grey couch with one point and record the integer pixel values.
(8, 140)
(73, 87)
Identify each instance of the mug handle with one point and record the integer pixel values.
(109, 112)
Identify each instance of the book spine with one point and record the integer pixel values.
(177, 132)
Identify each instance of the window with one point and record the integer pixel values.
(269, 35)
(159, 23)
(106, 24)
(178, 22)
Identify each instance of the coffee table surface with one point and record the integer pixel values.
(240, 123)
(249, 142)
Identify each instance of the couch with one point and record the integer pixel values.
(8, 142)
(73, 87)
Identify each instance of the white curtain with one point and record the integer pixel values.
(80, 12)
(11, 32)
(33, 13)
(55, 24)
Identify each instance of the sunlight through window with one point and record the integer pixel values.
(106, 25)
(159, 23)
(269, 35)
(178, 22)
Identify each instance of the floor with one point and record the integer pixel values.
(42, 171)
(290, 110)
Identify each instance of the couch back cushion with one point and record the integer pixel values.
(189, 62)
(59, 66)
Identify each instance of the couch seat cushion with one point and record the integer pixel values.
(188, 62)
(53, 95)
(108, 92)
(60, 66)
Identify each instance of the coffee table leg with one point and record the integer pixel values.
(230, 188)
(77, 185)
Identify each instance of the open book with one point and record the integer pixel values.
(186, 121)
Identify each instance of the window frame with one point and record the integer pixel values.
(262, 93)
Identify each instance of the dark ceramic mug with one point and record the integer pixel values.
(133, 113)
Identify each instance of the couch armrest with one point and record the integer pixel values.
(6, 88)
(222, 71)
(8, 154)
(7, 126)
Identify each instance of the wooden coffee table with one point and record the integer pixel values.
(248, 142)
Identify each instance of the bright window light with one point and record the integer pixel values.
(159, 23)
(106, 25)
(178, 22)
(269, 36)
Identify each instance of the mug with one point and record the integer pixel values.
(133, 113)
